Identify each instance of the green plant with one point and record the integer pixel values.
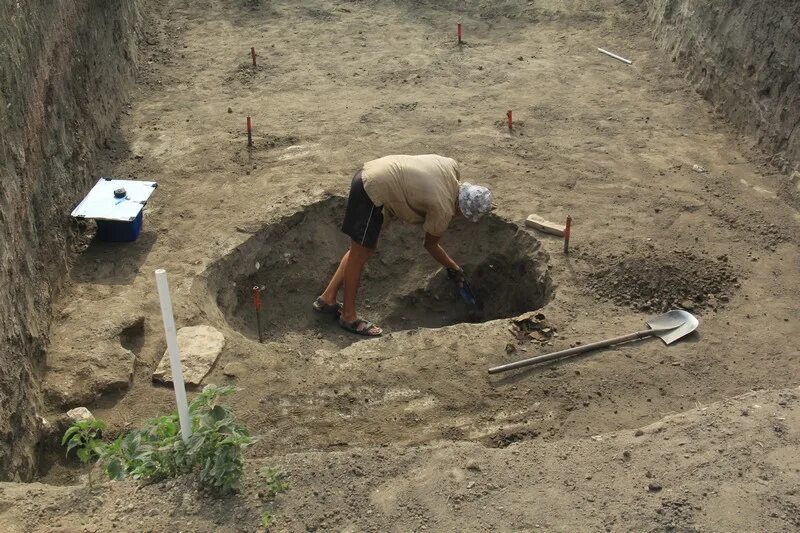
(274, 482)
(157, 451)
(216, 442)
(84, 437)
(152, 453)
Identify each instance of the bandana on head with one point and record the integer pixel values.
(474, 201)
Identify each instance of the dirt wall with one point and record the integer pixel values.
(744, 57)
(64, 69)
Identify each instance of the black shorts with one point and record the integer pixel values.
(362, 219)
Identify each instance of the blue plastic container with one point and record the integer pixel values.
(114, 231)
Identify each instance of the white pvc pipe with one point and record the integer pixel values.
(615, 56)
(174, 353)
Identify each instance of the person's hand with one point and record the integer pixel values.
(456, 274)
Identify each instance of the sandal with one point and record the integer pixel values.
(320, 306)
(361, 327)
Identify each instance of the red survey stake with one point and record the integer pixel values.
(510, 120)
(249, 132)
(257, 305)
(566, 234)
(253, 54)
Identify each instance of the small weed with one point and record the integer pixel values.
(274, 482)
(84, 437)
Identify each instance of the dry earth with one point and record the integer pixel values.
(731, 466)
(379, 434)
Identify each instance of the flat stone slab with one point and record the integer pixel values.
(199, 348)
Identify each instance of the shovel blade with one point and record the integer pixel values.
(466, 293)
(673, 325)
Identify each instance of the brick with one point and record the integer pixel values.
(545, 226)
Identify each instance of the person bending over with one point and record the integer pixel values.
(418, 189)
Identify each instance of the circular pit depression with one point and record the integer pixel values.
(402, 286)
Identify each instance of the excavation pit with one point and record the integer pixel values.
(402, 288)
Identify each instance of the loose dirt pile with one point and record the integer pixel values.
(660, 281)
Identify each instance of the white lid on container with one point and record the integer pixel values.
(100, 203)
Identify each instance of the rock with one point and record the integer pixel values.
(654, 487)
(86, 358)
(80, 413)
(234, 369)
(473, 465)
(510, 348)
(638, 433)
(687, 304)
(199, 348)
(699, 169)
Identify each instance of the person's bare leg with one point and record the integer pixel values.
(358, 257)
(336, 282)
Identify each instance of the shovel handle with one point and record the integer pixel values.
(573, 351)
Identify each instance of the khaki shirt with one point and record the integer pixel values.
(418, 189)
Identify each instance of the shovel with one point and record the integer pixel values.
(669, 327)
(464, 289)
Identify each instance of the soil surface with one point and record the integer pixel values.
(378, 432)
(730, 466)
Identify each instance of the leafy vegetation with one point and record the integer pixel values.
(266, 519)
(84, 437)
(274, 482)
(157, 451)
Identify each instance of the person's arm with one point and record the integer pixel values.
(437, 252)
